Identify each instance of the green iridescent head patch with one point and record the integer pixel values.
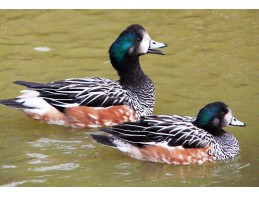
(122, 45)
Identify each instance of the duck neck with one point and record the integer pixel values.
(129, 70)
(212, 129)
(227, 146)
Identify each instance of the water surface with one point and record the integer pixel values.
(212, 55)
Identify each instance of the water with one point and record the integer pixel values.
(212, 55)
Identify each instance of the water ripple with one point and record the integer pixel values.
(42, 49)
(36, 155)
(13, 184)
(9, 166)
(65, 167)
(37, 158)
(42, 142)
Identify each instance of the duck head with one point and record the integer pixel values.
(132, 43)
(214, 116)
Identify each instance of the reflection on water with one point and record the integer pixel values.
(66, 166)
(43, 142)
(91, 165)
(174, 175)
(13, 184)
(42, 49)
(37, 158)
(212, 55)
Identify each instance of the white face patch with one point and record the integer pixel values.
(227, 119)
(145, 43)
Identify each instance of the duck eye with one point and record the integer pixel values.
(138, 39)
(222, 113)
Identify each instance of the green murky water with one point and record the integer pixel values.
(212, 55)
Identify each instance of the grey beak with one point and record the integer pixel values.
(236, 122)
(153, 47)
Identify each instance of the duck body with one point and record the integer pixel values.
(96, 102)
(176, 139)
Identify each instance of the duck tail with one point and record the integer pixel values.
(14, 104)
(31, 85)
(103, 139)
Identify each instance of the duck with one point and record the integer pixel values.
(175, 139)
(94, 101)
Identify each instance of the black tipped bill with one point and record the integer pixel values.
(236, 122)
(153, 47)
